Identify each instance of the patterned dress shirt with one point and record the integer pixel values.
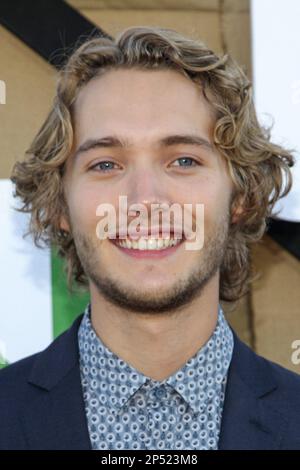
(127, 410)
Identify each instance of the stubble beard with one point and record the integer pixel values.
(169, 301)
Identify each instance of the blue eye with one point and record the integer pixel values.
(107, 166)
(104, 166)
(187, 160)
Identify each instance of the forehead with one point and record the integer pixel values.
(133, 100)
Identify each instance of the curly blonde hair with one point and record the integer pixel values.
(257, 166)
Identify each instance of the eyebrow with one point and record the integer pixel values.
(168, 141)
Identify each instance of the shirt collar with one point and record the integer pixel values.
(206, 372)
(196, 381)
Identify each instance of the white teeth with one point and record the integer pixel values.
(142, 244)
(149, 243)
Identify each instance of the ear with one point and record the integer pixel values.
(235, 216)
(63, 224)
(237, 209)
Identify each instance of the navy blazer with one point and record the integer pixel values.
(42, 407)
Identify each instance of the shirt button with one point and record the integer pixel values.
(160, 392)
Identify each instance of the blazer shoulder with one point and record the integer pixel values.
(286, 400)
(287, 380)
(25, 384)
(264, 376)
(13, 375)
(15, 394)
(38, 368)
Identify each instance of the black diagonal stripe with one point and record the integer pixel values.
(287, 234)
(50, 27)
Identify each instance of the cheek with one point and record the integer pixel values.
(215, 199)
(202, 193)
(83, 204)
(84, 201)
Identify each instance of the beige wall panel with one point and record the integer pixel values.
(203, 5)
(239, 317)
(200, 25)
(235, 28)
(275, 301)
(29, 89)
(226, 31)
(235, 5)
(148, 4)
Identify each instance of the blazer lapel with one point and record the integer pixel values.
(248, 421)
(56, 418)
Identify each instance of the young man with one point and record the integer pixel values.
(152, 363)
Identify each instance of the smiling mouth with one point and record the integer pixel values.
(148, 247)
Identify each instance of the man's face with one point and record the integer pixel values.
(143, 107)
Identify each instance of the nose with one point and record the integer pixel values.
(145, 186)
(150, 199)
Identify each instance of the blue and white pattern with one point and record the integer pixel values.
(128, 410)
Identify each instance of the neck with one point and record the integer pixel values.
(157, 345)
